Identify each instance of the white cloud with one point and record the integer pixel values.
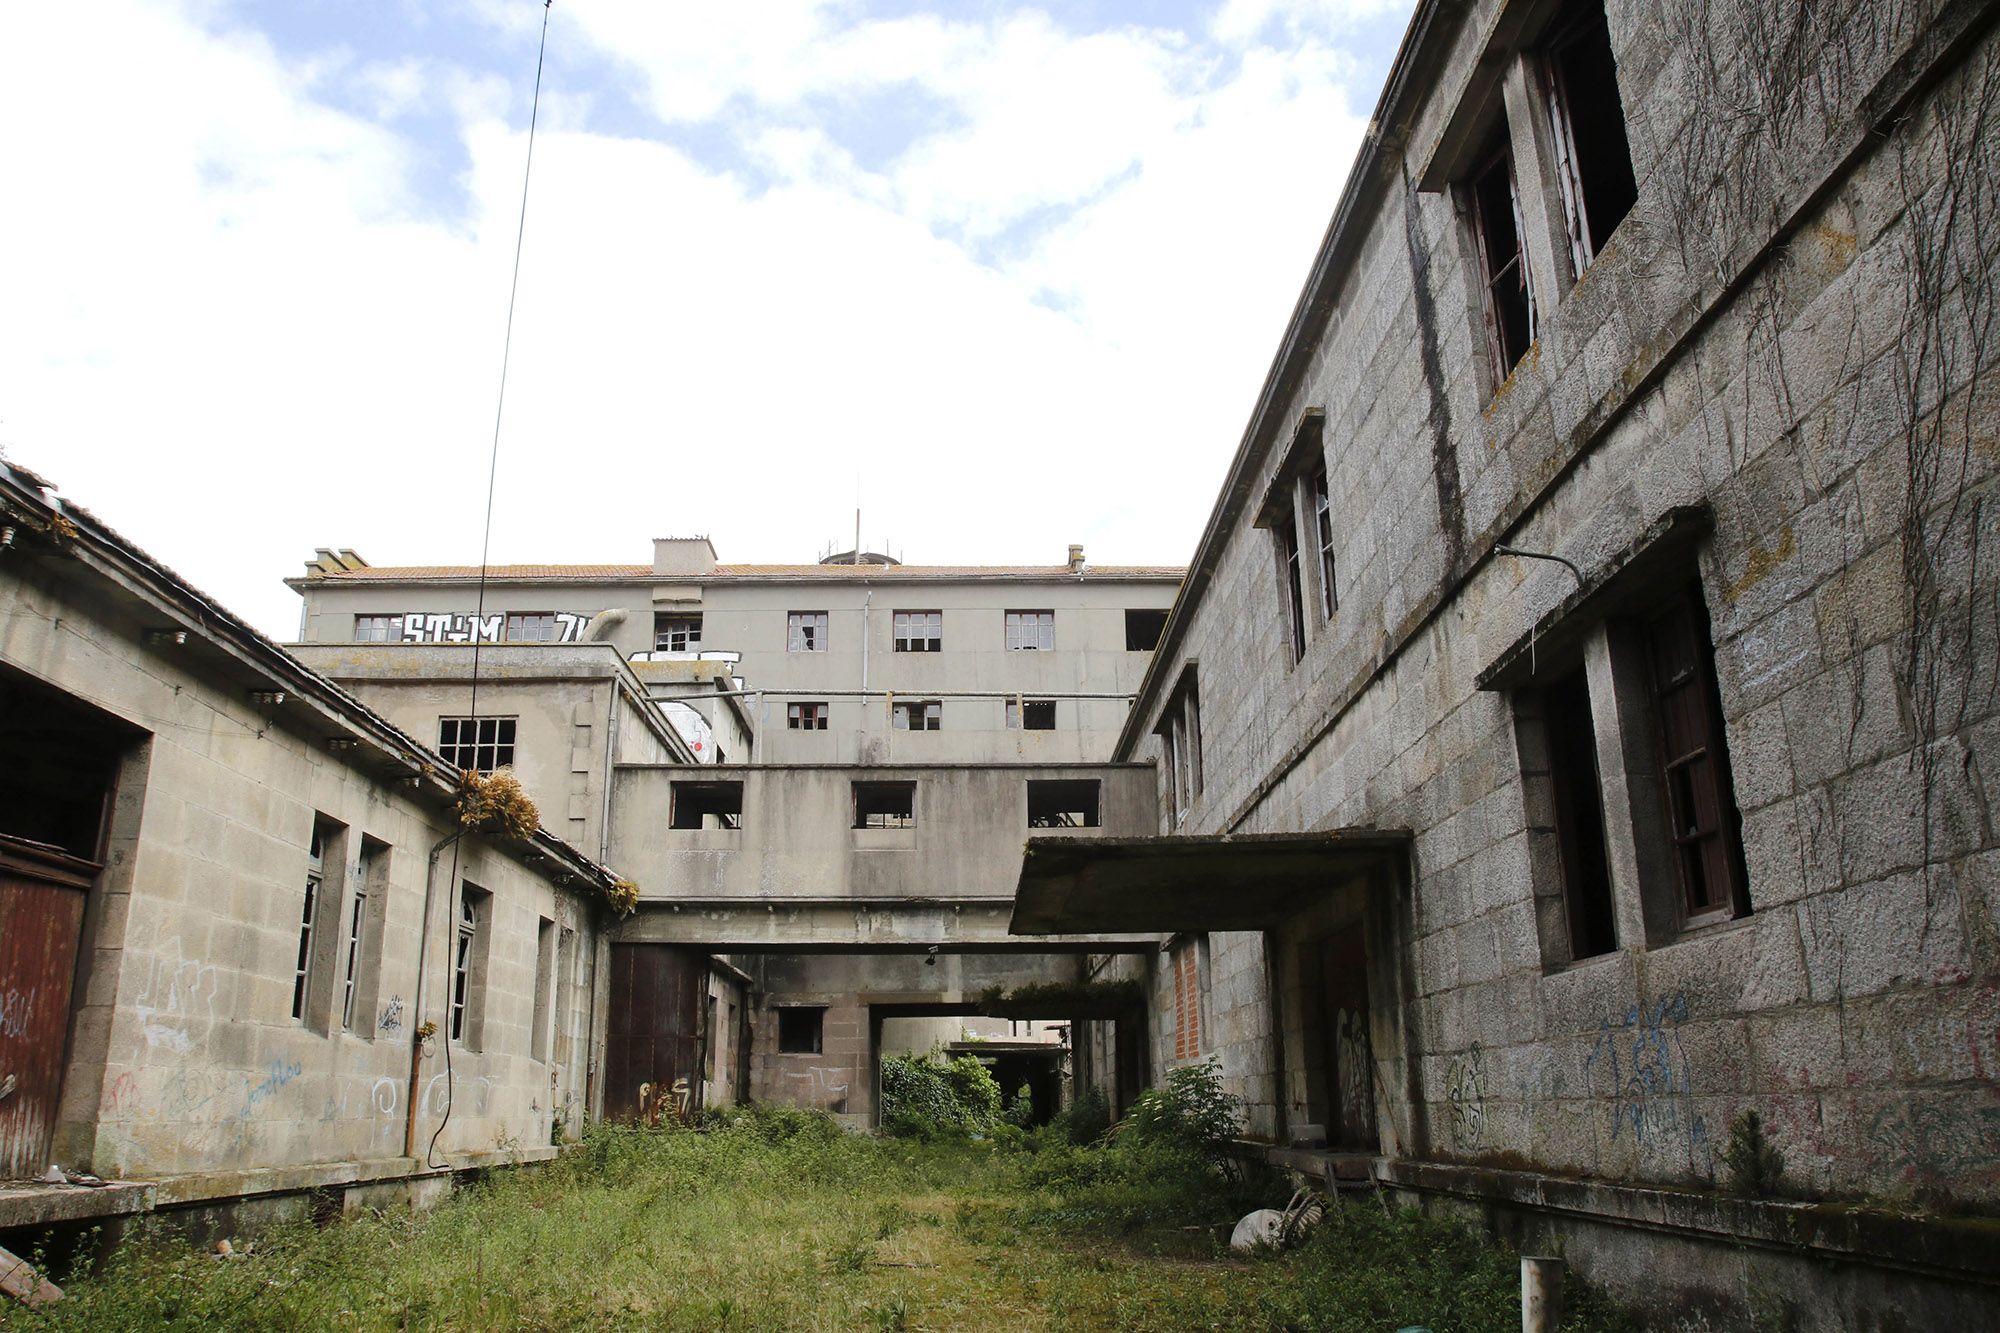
(238, 327)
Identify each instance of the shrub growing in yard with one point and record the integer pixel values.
(924, 1098)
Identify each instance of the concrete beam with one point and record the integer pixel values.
(801, 925)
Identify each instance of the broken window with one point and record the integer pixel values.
(1031, 631)
(1070, 803)
(917, 715)
(315, 891)
(1143, 627)
(709, 805)
(532, 627)
(799, 717)
(1701, 806)
(1287, 532)
(481, 744)
(1180, 748)
(801, 1030)
(919, 631)
(378, 629)
(1322, 510)
(1577, 788)
(468, 963)
(1593, 158)
(1496, 224)
(885, 804)
(805, 631)
(676, 631)
(361, 962)
(1031, 714)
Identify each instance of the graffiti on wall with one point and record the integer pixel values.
(15, 1006)
(176, 1005)
(1651, 1091)
(391, 1017)
(1465, 1092)
(457, 627)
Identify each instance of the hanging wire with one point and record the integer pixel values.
(455, 901)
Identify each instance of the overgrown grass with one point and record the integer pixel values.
(781, 1220)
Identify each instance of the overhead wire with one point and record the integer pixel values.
(455, 900)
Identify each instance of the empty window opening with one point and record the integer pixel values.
(1322, 509)
(545, 969)
(59, 760)
(801, 1031)
(1063, 804)
(532, 627)
(1031, 714)
(378, 629)
(919, 631)
(805, 631)
(917, 715)
(360, 962)
(1579, 813)
(1701, 806)
(1289, 582)
(801, 717)
(467, 962)
(1509, 294)
(1031, 631)
(1180, 751)
(478, 743)
(676, 631)
(1143, 627)
(710, 805)
(1593, 157)
(885, 804)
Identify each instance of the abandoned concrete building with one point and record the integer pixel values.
(1576, 728)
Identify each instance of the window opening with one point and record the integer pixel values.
(1069, 803)
(466, 937)
(1031, 631)
(804, 717)
(806, 632)
(1143, 627)
(378, 629)
(885, 804)
(1593, 156)
(676, 632)
(1510, 296)
(801, 1031)
(1031, 714)
(478, 743)
(710, 805)
(1579, 812)
(309, 917)
(918, 715)
(532, 627)
(1322, 508)
(919, 631)
(357, 918)
(1694, 761)
(1288, 571)
(545, 966)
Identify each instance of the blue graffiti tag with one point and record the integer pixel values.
(279, 1073)
(1652, 1086)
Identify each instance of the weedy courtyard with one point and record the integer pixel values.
(770, 1218)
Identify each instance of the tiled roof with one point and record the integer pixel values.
(399, 573)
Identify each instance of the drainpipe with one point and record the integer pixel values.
(423, 971)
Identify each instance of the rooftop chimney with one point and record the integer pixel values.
(683, 556)
(1075, 558)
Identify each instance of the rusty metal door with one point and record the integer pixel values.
(653, 1045)
(42, 896)
(1350, 1064)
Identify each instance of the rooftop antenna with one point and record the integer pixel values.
(857, 534)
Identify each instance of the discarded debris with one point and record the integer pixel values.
(1277, 1228)
(19, 1279)
(54, 1176)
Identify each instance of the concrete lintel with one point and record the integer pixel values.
(848, 926)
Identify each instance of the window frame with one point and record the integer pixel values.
(1018, 625)
(1718, 848)
(391, 627)
(1291, 590)
(1319, 495)
(684, 624)
(807, 631)
(312, 904)
(1585, 22)
(472, 936)
(513, 628)
(916, 715)
(1018, 716)
(917, 631)
(805, 715)
(453, 751)
(1497, 158)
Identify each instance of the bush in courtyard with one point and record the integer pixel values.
(1190, 1111)
(1021, 1109)
(924, 1098)
(1083, 1121)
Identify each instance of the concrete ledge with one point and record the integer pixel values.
(1964, 1249)
(30, 1205)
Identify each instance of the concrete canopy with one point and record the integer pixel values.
(1171, 884)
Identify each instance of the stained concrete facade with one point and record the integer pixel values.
(211, 1047)
(1086, 671)
(1772, 383)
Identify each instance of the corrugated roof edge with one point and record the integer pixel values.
(29, 493)
(736, 573)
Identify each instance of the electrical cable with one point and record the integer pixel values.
(485, 553)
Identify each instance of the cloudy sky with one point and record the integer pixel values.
(1006, 276)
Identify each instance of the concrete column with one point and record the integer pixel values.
(1636, 837)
